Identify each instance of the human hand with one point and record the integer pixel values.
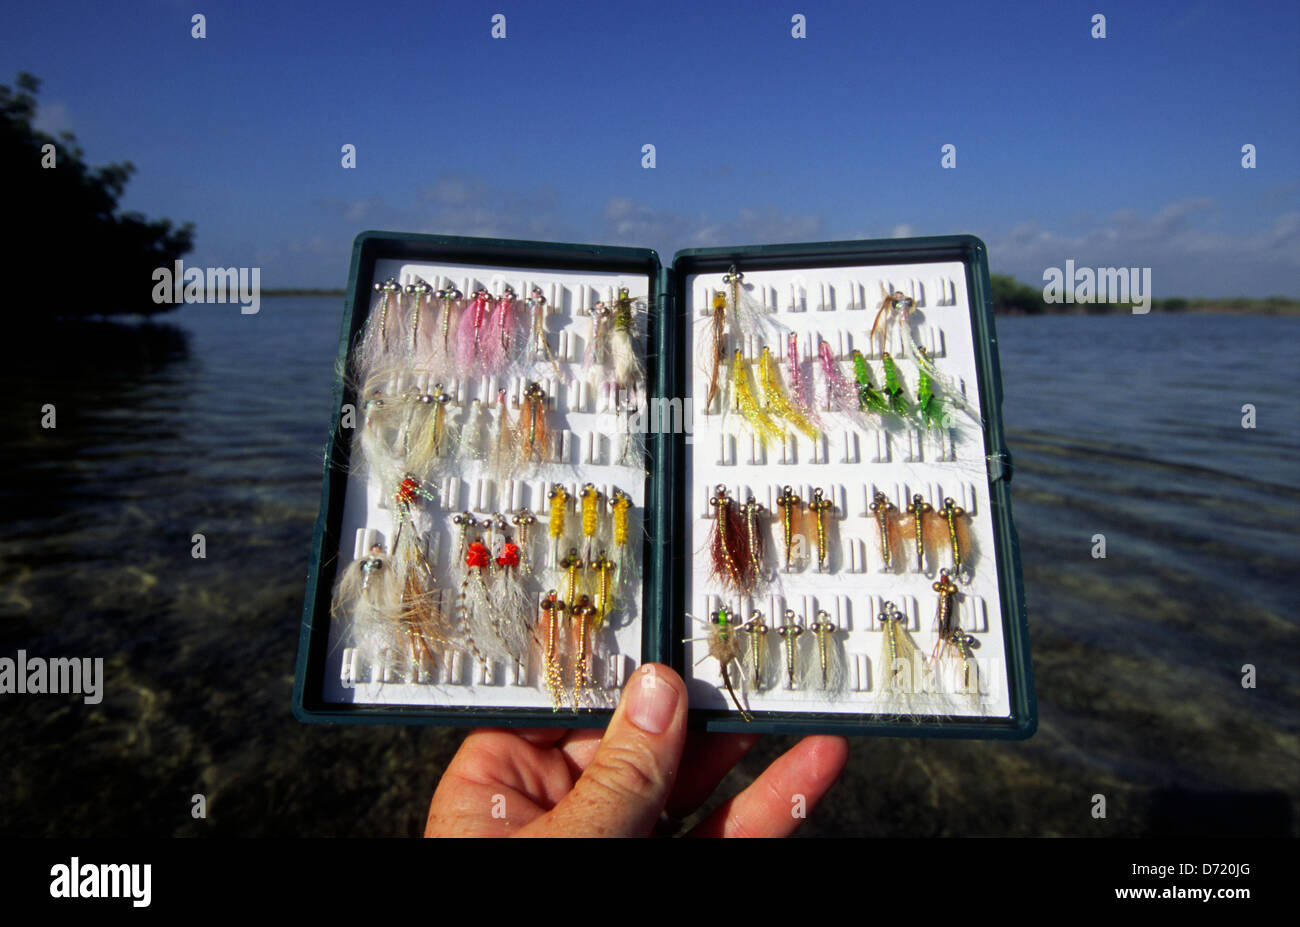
(553, 782)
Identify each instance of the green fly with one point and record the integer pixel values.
(894, 386)
(869, 398)
(928, 405)
(726, 646)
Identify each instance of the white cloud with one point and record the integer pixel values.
(1182, 242)
(632, 223)
(462, 204)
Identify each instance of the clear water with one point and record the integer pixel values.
(215, 423)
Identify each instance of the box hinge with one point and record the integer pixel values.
(1000, 467)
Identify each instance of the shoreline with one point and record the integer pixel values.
(1263, 306)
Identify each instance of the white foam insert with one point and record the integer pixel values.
(587, 433)
(838, 305)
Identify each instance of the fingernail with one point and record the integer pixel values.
(651, 702)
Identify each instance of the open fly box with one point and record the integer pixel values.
(778, 469)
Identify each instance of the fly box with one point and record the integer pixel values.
(779, 469)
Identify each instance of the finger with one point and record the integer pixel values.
(494, 766)
(775, 802)
(492, 757)
(465, 790)
(580, 748)
(537, 736)
(706, 759)
(624, 787)
(465, 808)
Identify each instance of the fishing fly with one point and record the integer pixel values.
(775, 402)
(582, 616)
(416, 291)
(953, 646)
(473, 337)
(379, 439)
(894, 394)
(824, 664)
(590, 500)
(505, 318)
(531, 432)
(601, 315)
(571, 566)
(765, 430)
(790, 504)
(427, 438)
(504, 460)
(918, 516)
(789, 633)
(559, 500)
(409, 491)
(621, 506)
(552, 661)
(898, 655)
(895, 314)
(394, 620)
(945, 614)
(725, 646)
(757, 673)
(523, 520)
(365, 593)
(822, 509)
(753, 513)
(718, 346)
(604, 589)
(732, 566)
(800, 386)
(625, 366)
(841, 397)
(949, 529)
(538, 347)
(869, 398)
(382, 332)
(488, 619)
(929, 408)
(450, 297)
(509, 600)
(887, 530)
(732, 310)
(942, 391)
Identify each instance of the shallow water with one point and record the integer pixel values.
(215, 423)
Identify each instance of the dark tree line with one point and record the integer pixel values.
(76, 252)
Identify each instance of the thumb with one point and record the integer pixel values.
(627, 783)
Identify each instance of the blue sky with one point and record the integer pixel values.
(1117, 151)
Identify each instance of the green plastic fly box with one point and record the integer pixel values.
(779, 469)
